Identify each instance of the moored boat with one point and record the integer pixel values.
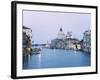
(36, 50)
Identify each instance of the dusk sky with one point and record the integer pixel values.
(45, 25)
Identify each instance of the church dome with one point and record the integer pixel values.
(61, 34)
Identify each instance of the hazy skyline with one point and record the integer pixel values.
(45, 25)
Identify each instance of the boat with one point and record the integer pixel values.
(36, 50)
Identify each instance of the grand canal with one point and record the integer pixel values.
(57, 58)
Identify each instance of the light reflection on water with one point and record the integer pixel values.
(53, 58)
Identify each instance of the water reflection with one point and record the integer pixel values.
(26, 59)
(53, 58)
(38, 59)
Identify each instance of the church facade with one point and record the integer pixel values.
(65, 41)
(61, 34)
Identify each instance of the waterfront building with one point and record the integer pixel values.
(69, 35)
(72, 43)
(60, 44)
(61, 34)
(28, 32)
(68, 43)
(54, 43)
(86, 46)
(27, 40)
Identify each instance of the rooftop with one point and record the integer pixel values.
(26, 27)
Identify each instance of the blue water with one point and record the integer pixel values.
(57, 58)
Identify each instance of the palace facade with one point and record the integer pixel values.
(27, 40)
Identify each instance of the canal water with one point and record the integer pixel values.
(57, 58)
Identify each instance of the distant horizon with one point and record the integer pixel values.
(45, 25)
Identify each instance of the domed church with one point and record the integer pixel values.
(61, 34)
